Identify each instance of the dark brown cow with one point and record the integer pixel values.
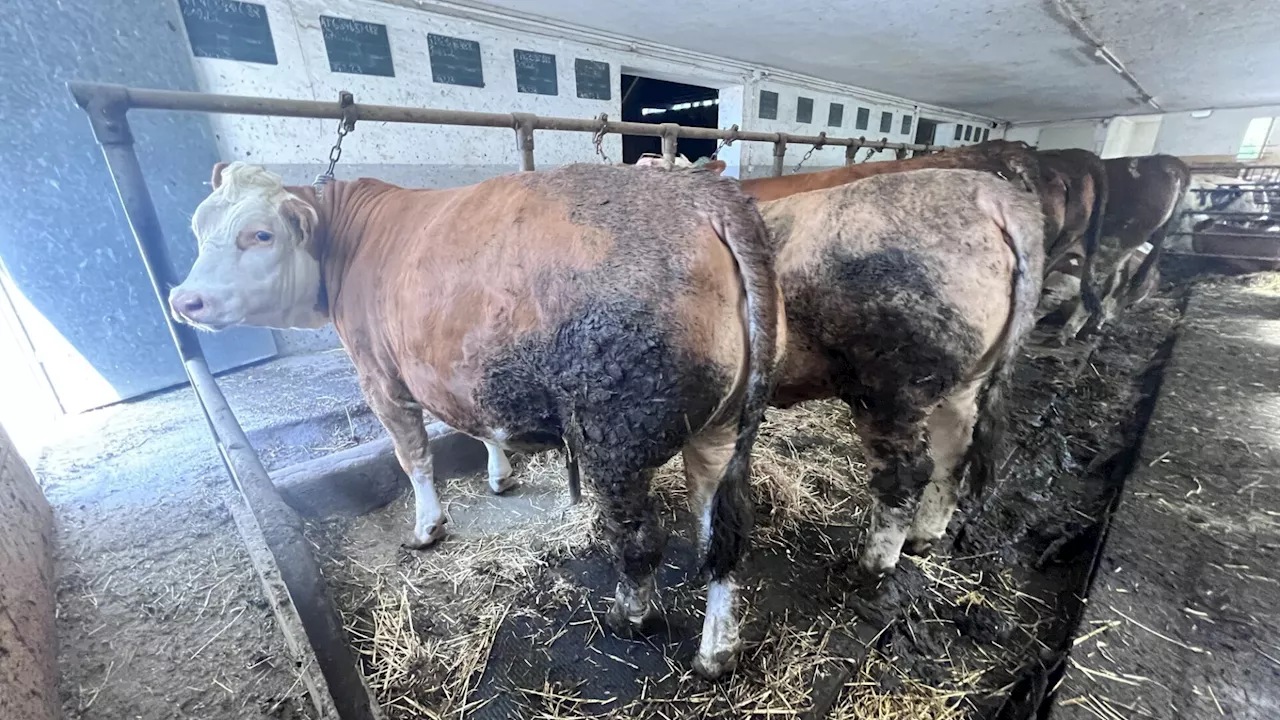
(1144, 194)
(908, 295)
(624, 314)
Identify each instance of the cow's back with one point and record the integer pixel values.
(482, 298)
(917, 261)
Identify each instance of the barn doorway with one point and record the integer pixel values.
(926, 131)
(648, 100)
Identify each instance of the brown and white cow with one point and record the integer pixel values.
(1071, 185)
(625, 315)
(908, 296)
(1144, 194)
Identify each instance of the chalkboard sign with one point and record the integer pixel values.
(357, 47)
(593, 79)
(906, 124)
(536, 73)
(886, 122)
(835, 115)
(864, 117)
(768, 105)
(455, 61)
(229, 30)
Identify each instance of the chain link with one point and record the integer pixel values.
(822, 141)
(598, 138)
(726, 141)
(346, 124)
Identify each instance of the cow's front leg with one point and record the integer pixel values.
(402, 417)
(500, 479)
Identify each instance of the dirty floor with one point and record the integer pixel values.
(160, 614)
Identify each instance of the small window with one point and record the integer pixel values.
(1255, 138)
(804, 110)
(768, 105)
(835, 115)
(886, 122)
(864, 117)
(906, 124)
(968, 132)
(959, 131)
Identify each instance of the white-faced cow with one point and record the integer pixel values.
(624, 315)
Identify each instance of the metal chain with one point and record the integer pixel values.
(822, 141)
(598, 138)
(346, 124)
(726, 141)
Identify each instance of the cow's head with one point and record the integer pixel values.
(256, 264)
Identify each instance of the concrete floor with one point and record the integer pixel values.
(160, 614)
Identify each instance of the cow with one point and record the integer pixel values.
(1144, 196)
(1071, 185)
(908, 296)
(623, 315)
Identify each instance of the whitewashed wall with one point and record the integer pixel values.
(1220, 134)
(441, 156)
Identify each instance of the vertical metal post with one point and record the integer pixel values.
(524, 139)
(341, 686)
(670, 136)
(779, 153)
(851, 153)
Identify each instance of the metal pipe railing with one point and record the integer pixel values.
(148, 99)
(307, 604)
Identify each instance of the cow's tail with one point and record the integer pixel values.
(1093, 238)
(1182, 183)
(1023, 228)
(743, 231)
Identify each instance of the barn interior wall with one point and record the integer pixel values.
(1215, 138)
(441, 156)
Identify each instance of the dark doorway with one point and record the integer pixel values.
(926, 131)
(658, 101)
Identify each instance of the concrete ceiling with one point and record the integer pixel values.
(1018, 60)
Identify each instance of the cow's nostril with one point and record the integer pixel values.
(187, 303)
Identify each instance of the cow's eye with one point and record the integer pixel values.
(262, 236)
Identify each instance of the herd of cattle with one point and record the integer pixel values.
(627, 314)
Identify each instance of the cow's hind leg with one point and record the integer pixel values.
(500, 479)
(950, 427)
(898, 457)
(402, 418)
(635, 536)
(723, 508)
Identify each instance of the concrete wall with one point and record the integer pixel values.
(443, 156)
(1219, 134)
(1216, 137)
(28, 647)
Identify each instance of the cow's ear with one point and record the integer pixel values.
(216, 180)
(715, 166)
(302, 216)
